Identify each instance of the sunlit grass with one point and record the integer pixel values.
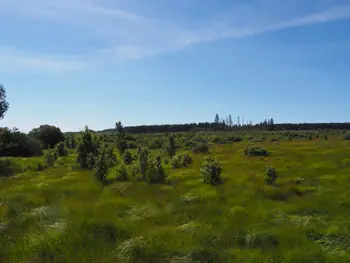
(62, 214)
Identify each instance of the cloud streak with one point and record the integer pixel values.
(129, 35)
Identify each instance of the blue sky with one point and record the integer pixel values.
(93, 62)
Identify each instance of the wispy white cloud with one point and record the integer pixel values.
(13, 61)
(127, 34)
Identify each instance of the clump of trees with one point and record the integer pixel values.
(48, 135)
(211, 171)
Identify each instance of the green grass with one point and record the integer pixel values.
(62, 214)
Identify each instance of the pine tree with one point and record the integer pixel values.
(217, 118)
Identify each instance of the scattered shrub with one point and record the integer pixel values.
(201, 148)
(61, 149)
(88, 144)
(274, 140)
(256, 151)
(211, 171)
(234, 139)
(270, 175)
(122, 173)
(132, 145)
(91, 161)
(143, 160)
(256, 140)
(309, 137)
(51, 156)
(171, 149)
(215, 139)
(155, 144)
(127, 157)
(326, 137)
(101, 167)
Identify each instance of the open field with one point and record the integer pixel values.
(62, 214)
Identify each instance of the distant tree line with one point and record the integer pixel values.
(206, 126)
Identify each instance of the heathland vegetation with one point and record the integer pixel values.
(206, 192)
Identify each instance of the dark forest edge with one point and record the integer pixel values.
(206, 126)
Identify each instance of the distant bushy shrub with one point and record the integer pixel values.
(270, 175)
(88, 144)
(122, 173)
(256, 151)
(326, 137)
(143, 161)
(346, 136)
(189, 144)
(274, 140)
(309, 137)
(101, 167)
(201, 148)
(215, 139)
(256, 140)
(211, 171)
(91, 161)
(171, 148)
(127, 157)
(61, 149)
(51, 156)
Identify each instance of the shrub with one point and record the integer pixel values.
(101, 167)
(91, 161)
(171, 149)
(143, 160)
(346, 136)
(127, 157)
(234, 139)
(49, 135)
(155, 173)
(309, 137)
(211, 171)
(186, 159)
(274, 140)
(270, 175)
(181, 160)
(326, 137)
(215, 139)
(132, 145)
(256, 151)
(5, 168)
(51, 156)
(61, 149)
(201, 148)
(155, 144)
(88, 144)
(122, 173)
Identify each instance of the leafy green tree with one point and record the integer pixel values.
(47, 134)
(211, 171)
(4, 105)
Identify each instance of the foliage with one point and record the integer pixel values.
(132, 145)
(122, 173)
(270, 175)
(4, 105)
(155, 144)
(143, 160)
(121, 142)
(171, 149)
(70, 141)
(5, 168)
(47, 134)
(234, 139)
(101, 166)
(346, 136)
(181, 160)
(17, 144)
(127, 157)
(88, 145)
(201, 148)
(211, 171)
(91, 161)
(155, 172)
(51, 156)
(61, 149)
(256, 151)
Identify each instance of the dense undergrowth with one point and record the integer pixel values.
(63, 213)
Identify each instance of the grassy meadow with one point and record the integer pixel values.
(62, 214)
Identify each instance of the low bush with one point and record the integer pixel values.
(155, 172)
(5, 168)
(234, 139)
(211, 171)
(155, 144)
(132, 145)
(256, 151)
(201, 148)
(346, 136)
(61, 149)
